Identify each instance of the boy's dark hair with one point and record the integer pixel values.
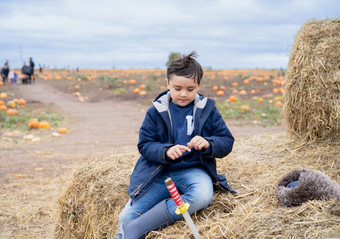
(186, 66)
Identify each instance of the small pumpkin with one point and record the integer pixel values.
(136, 91)
(21, 102)
(142, 87)
(3, 107)
(3, 95)
(62, 131)
(220, 93)
(44, 125)
(12, 112)
(215, 88)
(232, 98)
(33, 124)
(244, 108)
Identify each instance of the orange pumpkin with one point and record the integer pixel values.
(3, 95)
(132, 82)
(243, 92)
(11, 104)
(260, 100)
(142, 92)
(275, 91)
(21, 102)
(232, 98)
(220, 93)
(222, 87)
(244, 108)
(1, 102)
(142, 87)
(278, 103)
(33, 124)
(12, 112)
(246, 82)
(235, 84)
(62, 130)
(69, 78)
(215, 88)
(44, 125)
(3, 107)
(136, 91)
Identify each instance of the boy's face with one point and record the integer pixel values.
(182, 90)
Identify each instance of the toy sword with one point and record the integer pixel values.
(181, 206)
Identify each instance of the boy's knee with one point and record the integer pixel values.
(201, 201)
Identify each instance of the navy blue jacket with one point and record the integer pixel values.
(156, 136)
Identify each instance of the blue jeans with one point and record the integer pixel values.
(194, 184)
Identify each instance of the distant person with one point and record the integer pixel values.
(40, 69)
(32, 77)
(26, 72)
(5, 72)
(12, 77)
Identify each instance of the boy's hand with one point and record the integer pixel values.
(176, 151)
(198, 143)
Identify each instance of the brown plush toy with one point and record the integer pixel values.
(301, 185)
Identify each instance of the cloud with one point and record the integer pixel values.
(142, 33)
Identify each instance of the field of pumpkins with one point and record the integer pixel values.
(244, 95)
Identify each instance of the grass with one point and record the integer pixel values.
(265, 113)
(34, 110)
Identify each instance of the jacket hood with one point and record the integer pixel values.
(161, 103)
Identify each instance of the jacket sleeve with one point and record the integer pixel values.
(152, 135)
(219, 136)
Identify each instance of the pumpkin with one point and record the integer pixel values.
(235, 84)
(260, 100)
(79, 80)
(136, 91)
(232, 98)
(278, 103)
(57, 77)
(33, 124)
(215, 88)
(222, 87)
(244, 108)
(162, 87)
(1, 102)
(76, 87)
(62, 131)
(275, 90)
(220, 93)
(44, 125)
(12, 112)
(11, 104)
(246, 82)
(142, 87)
(21, 102)
(132, 82)
(3, 107)
(243, 92)
(3, 95)
(142, 92)
(69, 78)
(1, 83)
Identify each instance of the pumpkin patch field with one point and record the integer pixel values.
(70, 147)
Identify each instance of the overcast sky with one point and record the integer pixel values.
(101, 34)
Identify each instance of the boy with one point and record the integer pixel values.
(180, 137)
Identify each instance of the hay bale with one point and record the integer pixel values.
(312, 82)
(92, 202)
(91, 205)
